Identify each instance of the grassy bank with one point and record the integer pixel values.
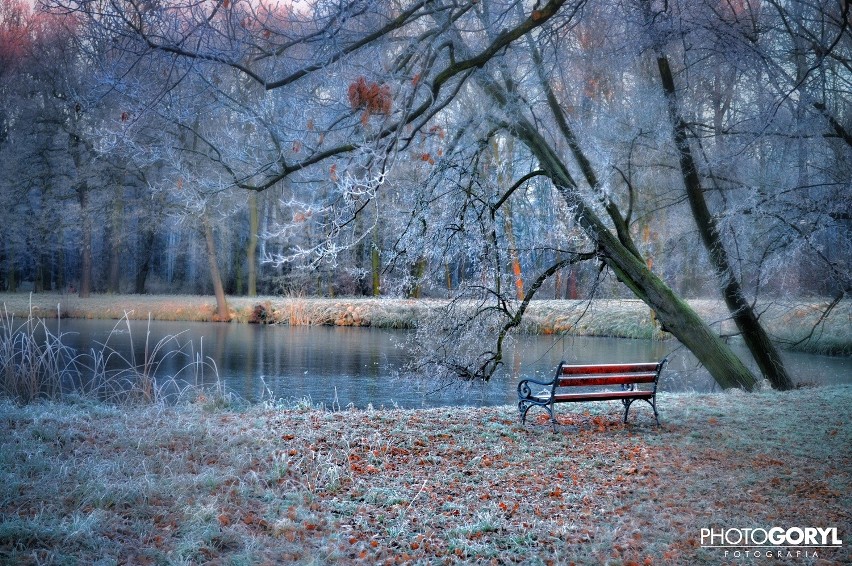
(790, 322)
(89, 483)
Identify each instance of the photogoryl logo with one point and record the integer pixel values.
(772, 542)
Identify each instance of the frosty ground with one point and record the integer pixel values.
(216, 482)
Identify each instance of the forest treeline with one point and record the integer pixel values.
(68, 179)
(493, 151)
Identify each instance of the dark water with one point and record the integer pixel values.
(338, 366)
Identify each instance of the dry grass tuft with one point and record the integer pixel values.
(36, 364)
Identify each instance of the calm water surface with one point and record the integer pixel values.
(338, 366)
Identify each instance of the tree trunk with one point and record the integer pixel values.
(557, 278)
(11, 278)
(236, 284)
(82, 190)
(673, 313)
(251, 248)
(573, 294)
(145, 267)
(619, 254)
(85, 289)
(376, 263)
(757, 340)
(647, 241)
(42, 278)
(115, 241)
(514, 257)
(505, 173)
(418, 269)
(222, 313)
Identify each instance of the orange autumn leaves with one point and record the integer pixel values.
(370, 97)
(374, 99)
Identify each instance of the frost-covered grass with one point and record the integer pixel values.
(85, 482)
(796, 325)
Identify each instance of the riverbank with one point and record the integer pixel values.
(793, 324)
(90, 483)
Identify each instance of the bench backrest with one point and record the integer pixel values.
(607, 374)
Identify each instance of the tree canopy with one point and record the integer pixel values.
(488, 151)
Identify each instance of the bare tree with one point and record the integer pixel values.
(342, 101)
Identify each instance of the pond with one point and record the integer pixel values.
(339, 366)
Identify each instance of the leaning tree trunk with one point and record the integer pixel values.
(674, 314)
(756, 339)
(620, 255)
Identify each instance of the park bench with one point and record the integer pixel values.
(579, 383)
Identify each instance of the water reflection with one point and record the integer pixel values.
(338, 366)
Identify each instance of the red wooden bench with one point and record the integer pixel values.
(578, 383)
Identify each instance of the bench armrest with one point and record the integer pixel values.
(525, 391)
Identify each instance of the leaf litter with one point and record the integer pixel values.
(300, 484)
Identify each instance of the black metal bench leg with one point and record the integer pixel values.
(524, 407)
(653, 402)
(549, 408)
(627, 403)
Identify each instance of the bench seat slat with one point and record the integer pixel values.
(602, 396)
(609, 368)
(615, 379)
